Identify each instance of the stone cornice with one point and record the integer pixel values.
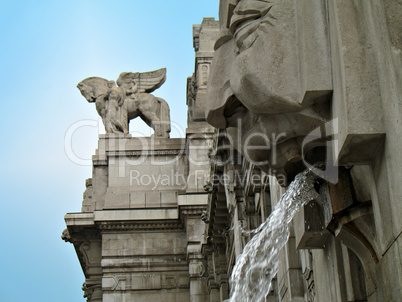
(195, 210)
(142, 226)
(146, 152)
(79, 219)
(99, 162)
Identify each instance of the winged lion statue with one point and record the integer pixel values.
(130, 98)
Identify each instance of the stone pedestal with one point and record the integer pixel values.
(139, 234)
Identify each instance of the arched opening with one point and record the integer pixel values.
(355, 277)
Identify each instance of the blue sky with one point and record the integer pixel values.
(47, 48)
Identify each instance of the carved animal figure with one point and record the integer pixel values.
(258, 93)
(118, 105)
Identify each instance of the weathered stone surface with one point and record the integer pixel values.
(310, 231)
(144, 238)
(204, 36)
(356, 85)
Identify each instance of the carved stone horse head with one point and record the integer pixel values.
(92, 88)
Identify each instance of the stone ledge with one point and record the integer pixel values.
(137, 214)
(79, 219)
(114, 136)
(138, 143)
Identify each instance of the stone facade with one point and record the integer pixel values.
(139, 234)
(319, 81)
(165, 219)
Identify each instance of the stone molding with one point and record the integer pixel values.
(99, 162)
(146, 153)
(146, 281)
(197, 210)
(146, 226)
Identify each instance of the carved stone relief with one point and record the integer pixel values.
(87, 203)
(307, 270)
(256, 92)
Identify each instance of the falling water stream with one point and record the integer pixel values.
(258, 264)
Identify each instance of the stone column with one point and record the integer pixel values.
(220, 269)
(198, 286)
(192, 207)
